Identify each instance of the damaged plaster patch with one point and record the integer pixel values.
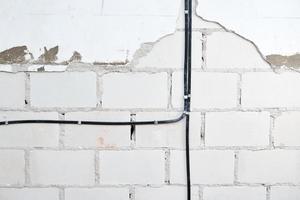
(167, 52)
(49, 56)
(76, 57)
(271, 25)
(14, 55)
(292, 61)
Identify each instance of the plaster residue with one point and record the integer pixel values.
(76, 57)
(289, 61)
(14, 55)
(49, 56)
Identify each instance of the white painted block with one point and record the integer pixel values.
(168, 135)
(237, 128)
(135, 90)
(167, 52)
(12, 167)
(12, 90)
(29, 135)
(285, 192)
(277, 166)
(207, 167)
(62, 167)
(132, 167)
(270, 90)
(97, 136)
(209, 90)
(227, 50)
(70, 89)
(286, 130)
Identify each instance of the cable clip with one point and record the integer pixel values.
(155, 122)
(79, 122)
(186, 96)
(6, 122)
(186, 112)
(186, 12)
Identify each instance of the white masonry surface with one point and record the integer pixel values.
(245, 119)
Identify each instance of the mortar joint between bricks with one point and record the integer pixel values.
(27, 91)
(167, 166)
(202, 130)
(27, 167)
(236, 164)
(62, 130)
(204, 46)
(97, 167)
(131, 193)
(61, 193)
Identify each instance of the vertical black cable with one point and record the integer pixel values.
(187, 88)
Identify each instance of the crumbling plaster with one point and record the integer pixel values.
(139, 51)
(273, 26)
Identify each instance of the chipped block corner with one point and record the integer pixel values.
(122, 60)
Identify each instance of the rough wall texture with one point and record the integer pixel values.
(245, 128)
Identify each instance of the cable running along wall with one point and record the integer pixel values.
(187, 100)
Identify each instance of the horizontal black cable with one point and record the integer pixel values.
(107, 123)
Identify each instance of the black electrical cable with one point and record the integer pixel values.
(187, 100)
(108, 123)
(187, 88)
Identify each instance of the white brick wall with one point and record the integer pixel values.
(281, 193)
(241, 55)
(136, 90)
(237, 129)
(35, 135)
(63, 89)
(210, 90)
(276, 166)
(286, 129)
(234, 193)
(208, 167)
(12, 167)
(171, 135)
(264, 90)
(12, 88)
(130, 167)
(55, 167)
(97, 136)
(171, 46)
(244, 122)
